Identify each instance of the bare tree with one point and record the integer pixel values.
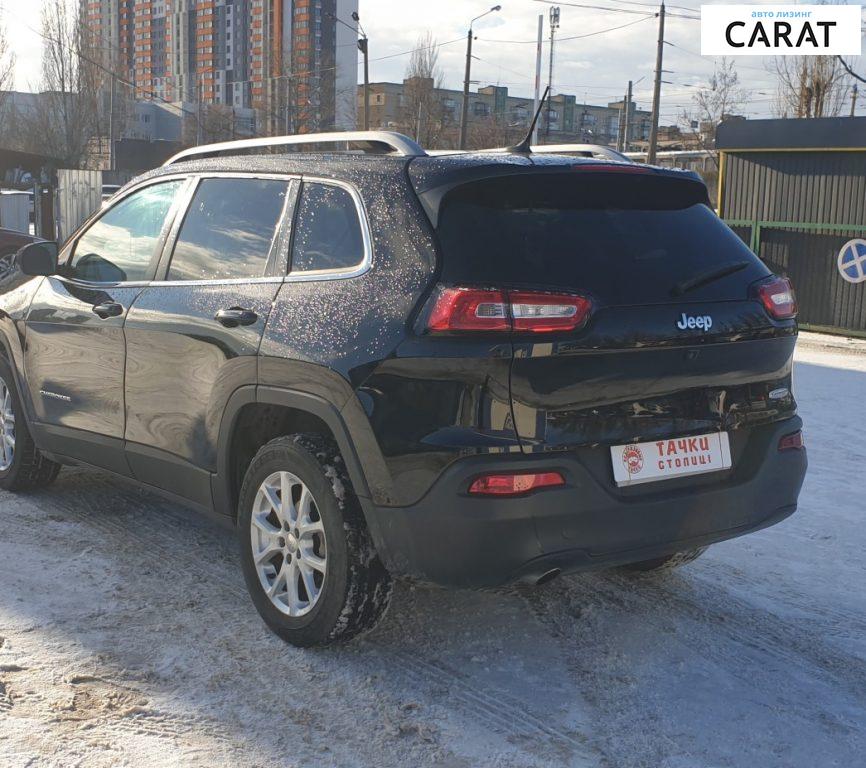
(721, 97)
(423, 114)
(810, 86)
(850, 70)
(7, 64)
(65, 118)
(210, 123)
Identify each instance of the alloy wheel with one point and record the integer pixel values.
(288, 543)
(7, 427)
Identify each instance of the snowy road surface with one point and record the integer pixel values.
(126, 638)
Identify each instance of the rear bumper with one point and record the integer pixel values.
(453, 539)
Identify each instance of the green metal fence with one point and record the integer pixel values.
(807, 252)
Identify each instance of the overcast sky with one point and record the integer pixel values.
(595, 68)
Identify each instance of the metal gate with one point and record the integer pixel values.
(78, 194)
(808, 253)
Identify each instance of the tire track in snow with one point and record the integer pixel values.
(736, 626)
(95, 499)
(497, 709)
(828, 620)
(747, 625)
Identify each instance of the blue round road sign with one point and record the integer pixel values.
(852, 261)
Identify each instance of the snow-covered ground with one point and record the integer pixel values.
(126, 638)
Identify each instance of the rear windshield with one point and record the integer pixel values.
(625, 239)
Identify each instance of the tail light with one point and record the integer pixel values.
(792, 442)
(469, 309)
(455, 309)
(777, 296)
(514, 484)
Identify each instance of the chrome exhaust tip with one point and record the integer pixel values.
(548, 576)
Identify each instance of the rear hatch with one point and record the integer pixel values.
(676, 341)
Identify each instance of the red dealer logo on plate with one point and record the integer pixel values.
(632, 457)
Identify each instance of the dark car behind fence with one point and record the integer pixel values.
(795, 191)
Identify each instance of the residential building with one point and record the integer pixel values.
(494, 115)
(290, 60)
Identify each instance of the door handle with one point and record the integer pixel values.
(108, 309)
(235, 316)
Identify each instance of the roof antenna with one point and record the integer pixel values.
(525, 146)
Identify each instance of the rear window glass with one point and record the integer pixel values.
(623, 239)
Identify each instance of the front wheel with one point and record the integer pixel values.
(22, 466)
(307, 557)
(666, 563)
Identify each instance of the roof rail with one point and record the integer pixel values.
(595, 150)
(586, 150)
(373, 142)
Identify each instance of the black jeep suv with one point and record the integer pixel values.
(466, 369)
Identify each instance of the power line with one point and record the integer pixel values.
(573, 37)
(592, 7)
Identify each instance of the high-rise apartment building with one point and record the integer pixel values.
(290, 60)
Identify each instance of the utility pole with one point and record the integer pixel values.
(554, 25)
(657, 90)
(464, 114)
(627, 125)
(853, 99)
(537, 75)
(198, 127)
(287, 127)
(364, 48)
(620, 130)
(111, 160)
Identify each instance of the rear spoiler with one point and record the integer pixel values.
(432, 188)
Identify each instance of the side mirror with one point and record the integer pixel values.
(38, 258)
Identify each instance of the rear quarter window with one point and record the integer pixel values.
(328, 234)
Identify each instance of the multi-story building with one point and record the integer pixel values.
(290, 60)
(495, 115)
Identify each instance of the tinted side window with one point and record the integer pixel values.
(228, 229)
(120, 245)
(328, 231)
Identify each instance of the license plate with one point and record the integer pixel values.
(662, 459)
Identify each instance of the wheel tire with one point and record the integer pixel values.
(666, 563)
(356, 588)
(28, 468)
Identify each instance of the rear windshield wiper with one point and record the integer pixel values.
(708, 276)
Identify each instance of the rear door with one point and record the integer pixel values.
(192, 337)
(676, 343)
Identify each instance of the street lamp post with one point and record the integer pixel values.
(464, 116)
(364, 48)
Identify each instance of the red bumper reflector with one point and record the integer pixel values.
(514, 484)
(792, 442)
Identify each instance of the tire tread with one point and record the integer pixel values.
(368, 589)
(30, 468)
